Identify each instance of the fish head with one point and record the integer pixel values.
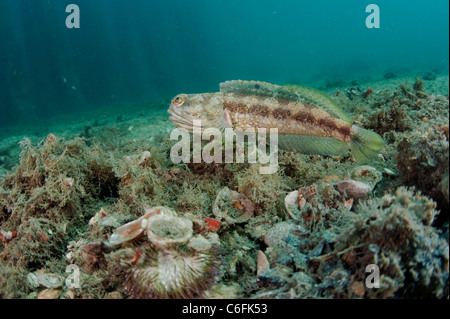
(207, 107)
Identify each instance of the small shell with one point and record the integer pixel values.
(354, 189)
(164, 231)
(292, 205)
(49, 293)
(69, 256)
(348, 203)
(127, 232)
(33, 280)
(145, 155)
(94, 220)
(262, 263)
(358, 289)
(389, 172)
(136, 228)
(101, 213)
(39, 278)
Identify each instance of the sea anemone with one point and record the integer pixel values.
(174, 273)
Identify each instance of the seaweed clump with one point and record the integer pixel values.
(423, 161)
(395, 234)
(46, 199)
(328, 257)
(395, 118)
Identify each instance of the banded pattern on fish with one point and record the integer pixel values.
(308, 121)
(289, 117)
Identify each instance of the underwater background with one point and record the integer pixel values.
(93, 206)
(139, 50)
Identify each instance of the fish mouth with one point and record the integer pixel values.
(181, 121)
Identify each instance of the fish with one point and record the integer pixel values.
(308, 120)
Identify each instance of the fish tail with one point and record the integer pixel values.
(366, 145)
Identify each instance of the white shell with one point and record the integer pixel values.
(39, 278)
(291, 204)
(262, 263)
(136, 228)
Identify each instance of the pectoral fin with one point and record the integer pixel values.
(225, 121)
(308, 144)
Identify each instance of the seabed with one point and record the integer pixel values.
(304, 232)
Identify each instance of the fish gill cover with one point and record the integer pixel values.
(102, 197)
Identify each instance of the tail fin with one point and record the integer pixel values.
(366, 145)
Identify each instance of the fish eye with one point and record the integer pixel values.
(179, 100)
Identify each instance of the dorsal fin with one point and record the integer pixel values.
(317, 98)
(288, 92)
(249, 88)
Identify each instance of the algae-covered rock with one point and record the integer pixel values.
(423, 159)
(366, 174)
(395, 234)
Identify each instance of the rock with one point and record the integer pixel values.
(50, 293)
(303, 282)
(317, 251)
(94, 220)
(70, 294)
(274, 278)
(286, 232)
(358, 288)
(200, 243)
